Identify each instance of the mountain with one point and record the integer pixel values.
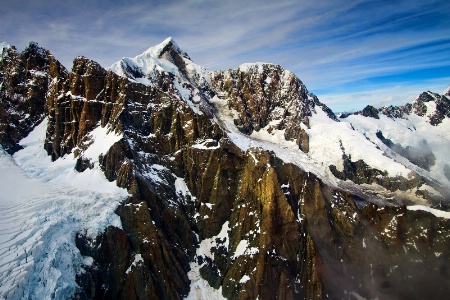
(158, 179)
(167, 66)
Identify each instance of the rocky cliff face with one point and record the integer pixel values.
(26, 80)
(267, 96)
(201, 208)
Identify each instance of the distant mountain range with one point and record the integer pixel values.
(158, 179)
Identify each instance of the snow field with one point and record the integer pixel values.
(43, 205)
(438, 213)
(410, 132)
(327, 135)
(357, 135)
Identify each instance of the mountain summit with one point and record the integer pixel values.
(167, 49)
(170, 68)
(158, 179)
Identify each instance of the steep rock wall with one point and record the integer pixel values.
(27, 79)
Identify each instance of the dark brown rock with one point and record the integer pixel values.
(26, 80)
(370, 111)
(442, 110)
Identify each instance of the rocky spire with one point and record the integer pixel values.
(27, 81)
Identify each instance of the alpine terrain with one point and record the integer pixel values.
(158, 179)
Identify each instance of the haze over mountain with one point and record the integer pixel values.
(349, 53)
(159, 179)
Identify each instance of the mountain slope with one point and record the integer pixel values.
(269, 105)
(416, 135)
(229, 190)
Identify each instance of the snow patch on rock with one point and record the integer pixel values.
(436, 212)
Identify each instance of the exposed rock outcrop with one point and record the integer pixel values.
(26, 80)
(370, 111)
(396, 111)
(266, 95)
(418, 107)
(360, 173)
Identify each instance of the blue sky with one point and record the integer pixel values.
(349, 53)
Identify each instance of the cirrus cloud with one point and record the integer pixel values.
(337, 48)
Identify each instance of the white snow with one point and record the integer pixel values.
(143, 80)
(244, 279)
(241, 248)
(137, 260)
(88, 261)
(288, 151)
(358, 137)
(156, 51)
(181, 187)
(206, 245)
(43, 205)
(200, 289)
(257, 66)
(327, 135)
(410, 131)
(203, 144)
(155, 173)
(38, 73)
(436, 212)
(102, 139)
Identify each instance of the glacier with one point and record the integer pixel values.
(44, 204)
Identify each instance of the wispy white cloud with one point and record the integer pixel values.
(331, 45)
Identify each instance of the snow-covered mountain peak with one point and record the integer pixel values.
(115, 189)
(34, 47)
(166, 57)
(165, 46)
(267, 102)
(167, 66)
(267, 68)
(257, 66)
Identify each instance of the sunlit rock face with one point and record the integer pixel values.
(267, 96)
(208, 213)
